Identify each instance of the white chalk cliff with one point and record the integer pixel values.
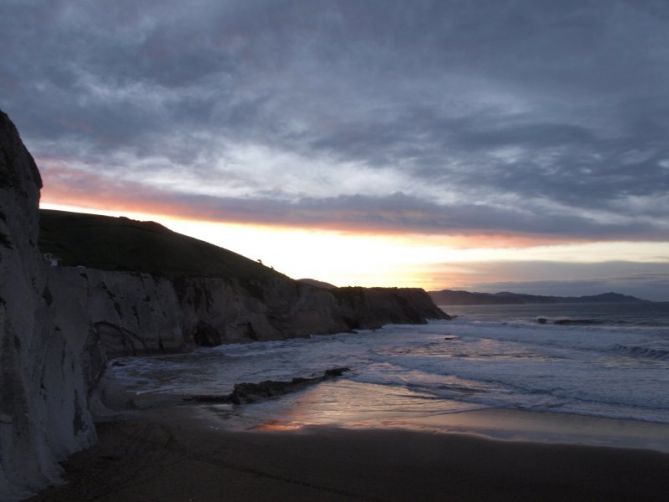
(43, 399)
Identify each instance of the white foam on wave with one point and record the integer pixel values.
(579, 369)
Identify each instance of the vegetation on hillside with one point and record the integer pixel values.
(108, 243)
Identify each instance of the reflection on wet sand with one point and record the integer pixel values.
(352, 405)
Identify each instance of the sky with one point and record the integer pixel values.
(482, 145)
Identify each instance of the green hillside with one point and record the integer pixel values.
(109, 243)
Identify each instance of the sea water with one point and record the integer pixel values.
(609, 361)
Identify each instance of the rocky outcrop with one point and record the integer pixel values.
(245, 393)
(132, 313)
(43, 400)
(217, 310)
(374, 307)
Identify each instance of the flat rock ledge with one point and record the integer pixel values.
(245, 393)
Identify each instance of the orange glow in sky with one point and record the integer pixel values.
(365, 259)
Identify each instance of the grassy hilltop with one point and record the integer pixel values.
(108, 243)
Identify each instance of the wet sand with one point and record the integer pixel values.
(173, 454)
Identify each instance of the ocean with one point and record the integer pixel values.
(608, 361)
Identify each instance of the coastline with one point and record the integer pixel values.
(350, 405)
(177, 453)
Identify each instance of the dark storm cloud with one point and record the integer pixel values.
(537, 117)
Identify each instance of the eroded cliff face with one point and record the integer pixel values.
(132, 313)
(129, 313)
(43, 399)
(220, 311)
(114, 314)
(374, 307)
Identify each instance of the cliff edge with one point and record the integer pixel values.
(43, 400)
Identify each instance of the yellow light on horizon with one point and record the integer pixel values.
(368, 259)
(336, 257)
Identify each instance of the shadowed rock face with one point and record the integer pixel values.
(374, 307)
(43, 400)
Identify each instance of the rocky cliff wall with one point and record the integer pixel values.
(127, 313)
(374, 307)
(43, 400)
(219, 311)
(114, 314)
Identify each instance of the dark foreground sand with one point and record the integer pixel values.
(171, 455)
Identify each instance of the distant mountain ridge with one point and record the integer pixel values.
(455, 297)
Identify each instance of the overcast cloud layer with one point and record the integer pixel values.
(541, 118)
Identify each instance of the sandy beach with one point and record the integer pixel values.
(174, 454)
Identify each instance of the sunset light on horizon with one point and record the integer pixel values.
(432, 262)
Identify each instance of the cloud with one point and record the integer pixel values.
(394, 213)
(520, 117)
